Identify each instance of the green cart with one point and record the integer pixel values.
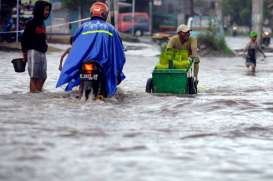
(172, 80)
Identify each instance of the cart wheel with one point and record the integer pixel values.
(149, 85)
(191, 86)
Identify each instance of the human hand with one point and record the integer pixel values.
(60, 67)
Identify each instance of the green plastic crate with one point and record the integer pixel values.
(170, 81)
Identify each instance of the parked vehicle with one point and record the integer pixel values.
(164, 22)
(234, 30)
(140, 25)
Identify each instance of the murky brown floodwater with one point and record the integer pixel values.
(224, 133)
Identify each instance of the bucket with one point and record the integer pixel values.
(19, 64)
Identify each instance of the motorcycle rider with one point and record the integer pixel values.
(95, 40)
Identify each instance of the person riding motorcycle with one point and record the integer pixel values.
(266, 36)
(183, 41)
(99, 41)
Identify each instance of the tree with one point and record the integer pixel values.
(219, 13)
(239, 11)
(257, 17)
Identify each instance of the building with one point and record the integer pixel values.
(175, 13)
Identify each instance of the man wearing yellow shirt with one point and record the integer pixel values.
(183, 41)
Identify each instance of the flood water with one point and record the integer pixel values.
(224, 133)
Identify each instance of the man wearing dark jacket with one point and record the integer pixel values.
(34, 46)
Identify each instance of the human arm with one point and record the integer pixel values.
(171, 43)
(72, 39)
(245, 49)
(193, 51)
(25, 39)
(62, 57)
(260, 50)
(194, 47)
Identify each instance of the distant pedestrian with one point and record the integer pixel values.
(251, 48)
(34, 45)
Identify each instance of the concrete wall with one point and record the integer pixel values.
(179, 9)
(62, 15)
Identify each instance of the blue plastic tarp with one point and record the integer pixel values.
(99, 41)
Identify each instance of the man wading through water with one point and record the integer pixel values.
(34, 46)
(183, 41)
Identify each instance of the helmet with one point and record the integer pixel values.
(253, 34)
(99, 9)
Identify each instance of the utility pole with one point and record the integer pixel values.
(17, 20)
(219, 14)
(133, 16)
(109, 3)
(151, 16)
(257, 18)
(116, 12)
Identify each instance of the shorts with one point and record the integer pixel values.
(250, 61)
(37, 64)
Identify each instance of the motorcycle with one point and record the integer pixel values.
(92, 81)
(234, 31)
(266, 37)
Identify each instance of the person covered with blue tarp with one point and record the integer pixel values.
(95, 40)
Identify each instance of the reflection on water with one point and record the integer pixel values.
(223, 133)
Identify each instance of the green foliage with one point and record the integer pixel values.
(210, 41)
(268, 9)
(239, 11)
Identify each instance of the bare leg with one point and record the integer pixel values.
(36, 85)
(253, 68)
(32, 86)
(196, 70)
(40, 84)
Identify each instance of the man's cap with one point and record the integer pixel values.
(184, 28)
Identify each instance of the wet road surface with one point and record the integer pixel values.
(224, 133)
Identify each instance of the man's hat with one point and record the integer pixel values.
(184, 28)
